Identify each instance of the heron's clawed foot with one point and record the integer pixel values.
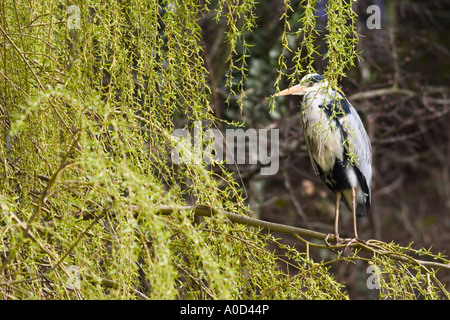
(333, 235)
(349, 241)
(333, 239)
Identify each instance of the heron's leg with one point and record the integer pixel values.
(336, 216)
(354, 213)
(336, 220)
(356, 238)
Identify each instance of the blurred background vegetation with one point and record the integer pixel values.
(88, 106)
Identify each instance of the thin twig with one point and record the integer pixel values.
(294, 200)
(22, 56)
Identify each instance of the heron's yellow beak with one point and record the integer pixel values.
(295, 90)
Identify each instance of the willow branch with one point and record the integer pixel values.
(206, 211)
(371, 246)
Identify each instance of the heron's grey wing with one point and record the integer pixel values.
(358, 142)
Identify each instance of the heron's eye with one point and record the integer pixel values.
(310, 84)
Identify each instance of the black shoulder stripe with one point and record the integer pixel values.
(337, 108)
(316, 78)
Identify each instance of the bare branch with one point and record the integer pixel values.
(371, 246)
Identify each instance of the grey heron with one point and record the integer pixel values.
(337, 143)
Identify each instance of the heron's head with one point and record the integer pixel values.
(310, 82)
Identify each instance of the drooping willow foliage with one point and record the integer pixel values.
(340, 40)
(90, 93)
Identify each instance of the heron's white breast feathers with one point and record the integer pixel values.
(323, 141)
(326, 142)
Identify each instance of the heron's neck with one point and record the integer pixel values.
(323, 95)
